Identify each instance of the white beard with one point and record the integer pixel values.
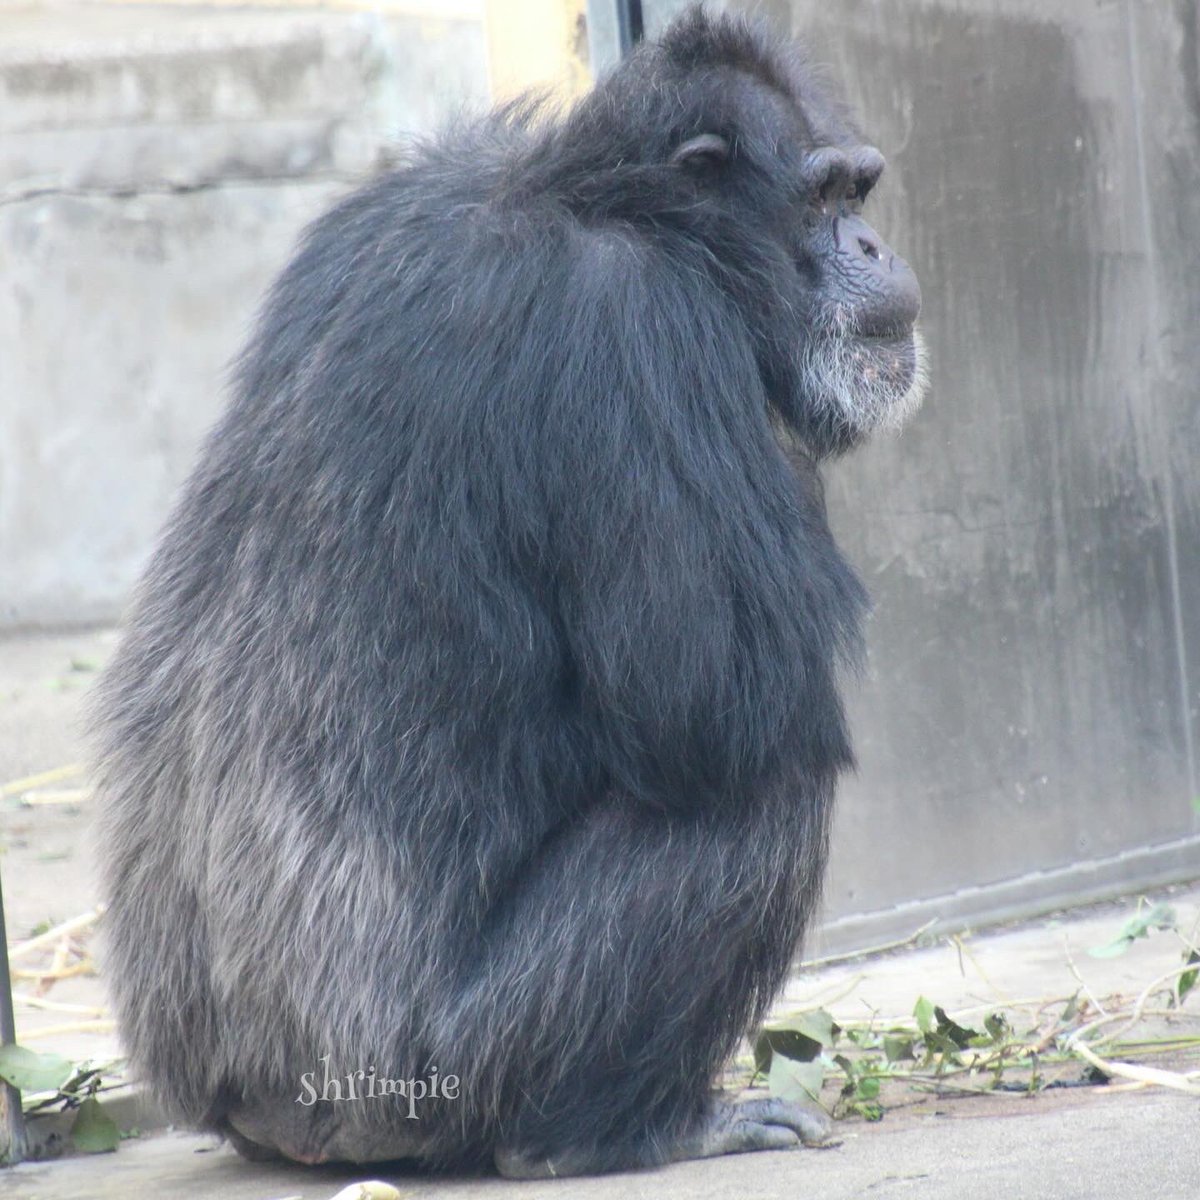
(865, 384)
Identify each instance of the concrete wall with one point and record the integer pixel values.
(156, 167)
(1028, 729)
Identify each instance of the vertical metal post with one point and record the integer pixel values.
(630, 29)
(12, 1119)
(614, 27)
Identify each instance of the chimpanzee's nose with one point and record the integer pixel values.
(890, 283)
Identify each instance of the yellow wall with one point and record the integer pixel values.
(537, 43)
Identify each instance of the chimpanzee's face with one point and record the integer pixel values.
(861, 360)
(832, 306)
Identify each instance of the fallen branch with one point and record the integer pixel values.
(31, 1001)
(74, 925)
(47, 798)
(1144, 1075)
(17, 786)
(107, 1025)
(84, 967)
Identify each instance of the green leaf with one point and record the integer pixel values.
(939, 1043)
(997, 1026)
(94, 1131)
(959, 1035)
(898, 1049)
(924, 1011)
(783, 1043)
(29, 1071)
(868, 1087)
(801, 1039)
(83, 1076)
(818, 1025)
(864, 1039)
(1140, 925)
(798, 1081)
(1187, 980)
(1113, 949)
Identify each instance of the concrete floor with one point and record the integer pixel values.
(1079, 1144)
(1141, 1147)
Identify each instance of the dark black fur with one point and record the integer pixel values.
(478, 708)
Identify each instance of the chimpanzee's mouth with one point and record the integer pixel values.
(882, 333)
(886, 360)
(866, 381)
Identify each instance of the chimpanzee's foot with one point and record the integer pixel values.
(263, 1130)
(250, 1151)
(763, 1124)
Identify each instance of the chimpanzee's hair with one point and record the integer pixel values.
(478, 709)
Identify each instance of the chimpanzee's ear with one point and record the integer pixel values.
(704, 150)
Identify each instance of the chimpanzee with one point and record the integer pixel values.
(475, 730)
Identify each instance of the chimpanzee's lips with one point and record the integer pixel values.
(885, 333)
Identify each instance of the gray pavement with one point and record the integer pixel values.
(1135, 1147)
(1079, 1144)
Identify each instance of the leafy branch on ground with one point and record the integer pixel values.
(50, 1083)
(1064, 1041)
